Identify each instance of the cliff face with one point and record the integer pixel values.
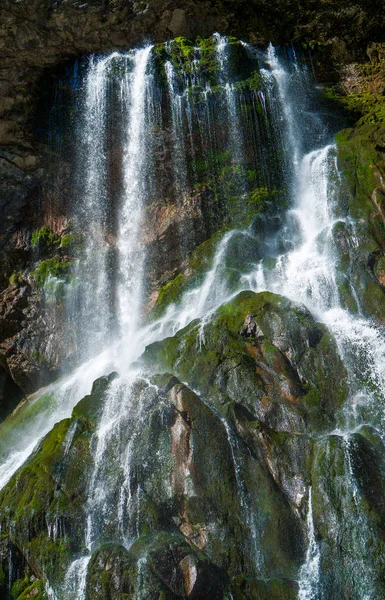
(38, 40)
(41, 35)
(248, 479)
(216, 477)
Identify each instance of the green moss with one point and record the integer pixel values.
(38, 357)
(182, 52)
(357, 157)
(169, 294)
(199, 263)
(74, 241)
(185, 46)
(50, 486)
(196, 96)
(346, 297)
(203, 358)
(19, 586)
(23, 416)
(16, 278)
(315, 46)
(251, 84)
(91, 405)
(372, 299)
(52, 267)
(55, 290)
(244, 588)
(208, 59)
(66, 240)
(365, 103)
(34, 591)
(360, 155)
(243, 209)
(45, 236)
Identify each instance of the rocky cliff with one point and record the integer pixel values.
(39, 39)
(224, 462)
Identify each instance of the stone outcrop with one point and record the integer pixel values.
(258, 419)
(260, 401)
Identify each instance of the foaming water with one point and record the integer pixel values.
(308, 274)
(135, 163)
(303, 267)
(309, 572)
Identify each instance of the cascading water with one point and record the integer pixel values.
(308, 274)
(232, 136)
(135, 164)
(88, 300)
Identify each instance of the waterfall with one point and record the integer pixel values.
(86, 304)
(309, 573)
(135, 148)
(235, 131)
(178, 135)
(308, 274)
(212, 130)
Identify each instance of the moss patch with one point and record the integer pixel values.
(44, 236)
(52, 267)
(51, 488)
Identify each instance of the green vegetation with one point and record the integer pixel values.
(23, 416)
(55, 290)
(38, 357)
(73, 240)
(315, 46)
(312, 349)
(367, 105)
(49, 487)
(368, 102)
(16, 278)
(25, 589)
(198, 264)
(182, 53)
(44, 236)
(52, 267)
(251, 84)
(243, 209)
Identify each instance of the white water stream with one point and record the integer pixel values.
(306, 274)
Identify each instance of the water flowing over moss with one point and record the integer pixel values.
(52, 267)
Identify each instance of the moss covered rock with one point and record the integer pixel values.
(361, 158)
(43, 505)
(289, 376)
(352, 558)
(160, 566)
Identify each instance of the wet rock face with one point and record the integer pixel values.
(361, 159)
(19, 197)
(192, 528)
(35, 340)
(35, 188)
(169, 567)
(259, 390)
(282, 366)
(361, 453)
(251, 328)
